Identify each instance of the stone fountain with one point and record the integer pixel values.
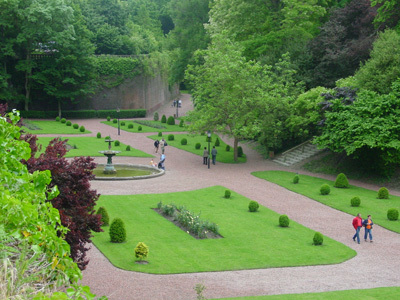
(109, 168)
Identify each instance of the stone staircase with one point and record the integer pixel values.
(297, 154)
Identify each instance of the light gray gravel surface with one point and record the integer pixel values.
(184, 171)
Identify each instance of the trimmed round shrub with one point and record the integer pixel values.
(393, 214)
(228, 148)
(163, 119)
(197, 146)
(325, 189)
(184, 141)
(117, 231)
(171, 120)
(82, 129)
(63, 120)
(76, 126)
(227, 194)
(57, 119)
(108, 118)
(355, 201)
(117, 143)
(284, 221)
(107, 137)
(115, 121)
(296, 179)
(156, 117)
(217, 142)
(253, 206)
(318, 239)
(159, 133)
(98, 135)
(139, 128)
(122, 123)
(341, 181)
(240, 151)
(105, 219)
(128, 148)
(69, 123)
(130, 126)
(141, 251)
(181, 123)
(383, 193)
(171, 137)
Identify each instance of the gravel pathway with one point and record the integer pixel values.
(184, 171)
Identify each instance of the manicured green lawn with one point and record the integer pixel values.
(51, 127)
(222, 156)
(90, 146)
(370, 294)
(339, 198)
(164, 127)
(251, 240)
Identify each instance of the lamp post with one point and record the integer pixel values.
(177, 105)
(118, 120)
(209, 141)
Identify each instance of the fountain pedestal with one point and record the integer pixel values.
(109, 168)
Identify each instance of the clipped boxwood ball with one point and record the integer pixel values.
(58, 119)
(171, 137)
(117, 231)
(284, 221)
(355, 201)
(159, 133)
(82, 129)
(296, 179)
(171, 120)
(115, 121)
(325, 189)
(108, 118)
(105, 219)
(253, 206)
(197, 146)
(63, 120)
(341, 181)
(383, 193)
(393, 214)
(75, 126)
(128, 148)
(139, 128)
(227, 194)
(227, 148)
(122, 123)
(98, 135)
(318, 239)
(130, 126)
(69, 123)
(117, 143)
(184, 141)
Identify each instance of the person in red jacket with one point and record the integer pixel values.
(357, 224)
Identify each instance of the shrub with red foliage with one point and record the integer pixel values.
(76, 200)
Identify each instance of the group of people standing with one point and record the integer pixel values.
(358, 222)
(206, 155)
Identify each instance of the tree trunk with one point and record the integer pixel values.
(235, 149)
(59, 107)
(28, 74)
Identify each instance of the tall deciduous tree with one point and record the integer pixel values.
(76, 200)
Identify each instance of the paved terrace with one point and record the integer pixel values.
(184, 172)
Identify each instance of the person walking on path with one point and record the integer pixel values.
(156, 145)
(214, 155)
(205, 156)
(368, 227)
(357, 224)
(161, 163)
(162, 145)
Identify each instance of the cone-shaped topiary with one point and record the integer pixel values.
(296, 179)
(128, 148)
(163, 119)
(341, 181)
(117, 231)
(355, 201)
(217, 142)
(227, 148)
(156, 117)
(383, 193)
(159, 133)
(227, 194)
(181, 123)
(253, 206)
(325, 189)
(240, 151)
(105, 219)
(98, 135)
(171, 120)
(284, 221)
(141, 251)
(318, 239)
(393, 214)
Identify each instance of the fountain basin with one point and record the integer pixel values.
(127, 172)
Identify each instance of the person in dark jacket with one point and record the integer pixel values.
(214, 154)
(156, 145)
(368, 227)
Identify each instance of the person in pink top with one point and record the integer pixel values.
(357, 224)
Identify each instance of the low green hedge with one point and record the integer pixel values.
(85, 114)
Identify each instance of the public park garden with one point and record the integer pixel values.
(254, 79)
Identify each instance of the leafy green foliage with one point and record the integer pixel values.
(325, 189)
(128, 148)
(383, 193)
(75, 126)
(197, 146)
(141, 251)
(115, 121)
(163, 119)
(98, 135)
(82, 129)
(227, 194)
(184, 141)
(117, 231)
(227, 148)
(130, 126)
(123, 123)
(355, 201)
(318, 239)
(296, 179)
(284, 221)
(63, 120)
(58, 119)
(253, 206)
(159, 134)
(105, 219)
(240, 151)
(393, 214)
(171, 137)
(341, 181)
(139, 128)
(171, 120)
(181, 123)
(117, 143)
(217, 142)
(68, 123)
(108, 118)
(156, 117)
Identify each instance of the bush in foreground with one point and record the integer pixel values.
(355, 201)
(227, 194)
(325, 189)
(98, 135)
(318, 239)
(393, 214)
(296, 179)
(183, 141)
(117, 231)
(383, 193)
(141, 251)
(341, 181)
(105, 219)
(253, 206)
